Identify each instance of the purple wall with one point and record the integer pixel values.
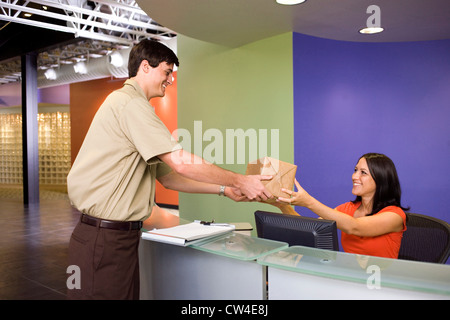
(57, 94)
(393, 98)
(11, 95)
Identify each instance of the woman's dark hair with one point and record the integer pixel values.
(388, 191)
(153, 51)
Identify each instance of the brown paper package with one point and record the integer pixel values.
(283, 175)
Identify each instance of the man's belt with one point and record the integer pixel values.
(110, 224)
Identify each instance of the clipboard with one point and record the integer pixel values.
(187, 234)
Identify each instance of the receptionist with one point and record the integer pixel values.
(373, 223)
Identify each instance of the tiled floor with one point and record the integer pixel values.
(34, 242)
(33, 246)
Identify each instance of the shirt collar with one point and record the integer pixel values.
(136, 86)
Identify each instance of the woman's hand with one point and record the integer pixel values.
(299, 198)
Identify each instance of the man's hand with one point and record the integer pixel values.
(235, 194)
(253, 189)
(193, 167)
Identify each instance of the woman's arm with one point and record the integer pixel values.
(284, 207)
(368, 226)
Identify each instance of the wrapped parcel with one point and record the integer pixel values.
(283, 174)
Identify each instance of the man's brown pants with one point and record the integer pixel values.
(108, 263)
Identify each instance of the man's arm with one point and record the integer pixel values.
(176, 182)
(195, 168)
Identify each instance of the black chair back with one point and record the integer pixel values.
(426, 239)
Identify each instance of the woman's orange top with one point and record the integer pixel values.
(386, 245)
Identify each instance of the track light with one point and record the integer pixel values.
(80, 67)
(116, 59)
(50, 74)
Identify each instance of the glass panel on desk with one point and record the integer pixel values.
(239, 246)
(400, 274)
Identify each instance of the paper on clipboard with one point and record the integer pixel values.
(186, 234)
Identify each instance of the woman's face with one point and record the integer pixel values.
(363, 183)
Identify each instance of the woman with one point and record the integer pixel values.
(372, 224)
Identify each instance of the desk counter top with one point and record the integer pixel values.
(399, 274)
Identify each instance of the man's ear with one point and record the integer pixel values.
(145, 66)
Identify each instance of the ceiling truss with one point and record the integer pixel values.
(102, 26)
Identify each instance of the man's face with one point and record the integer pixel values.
(159, 78)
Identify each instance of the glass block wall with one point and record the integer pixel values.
(11, 148)
(54, 148)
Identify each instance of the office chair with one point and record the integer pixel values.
(426, 239)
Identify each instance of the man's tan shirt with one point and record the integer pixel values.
(113, 176)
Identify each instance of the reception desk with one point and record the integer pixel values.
(236, 266)
(308, 273)
(220, 269)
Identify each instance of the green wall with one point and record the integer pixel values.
(220, 88)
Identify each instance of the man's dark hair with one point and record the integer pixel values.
(153, 51)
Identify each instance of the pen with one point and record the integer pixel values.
(212, 223)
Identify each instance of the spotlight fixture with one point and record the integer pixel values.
(290, 2)
(371, 30)
(50, 74)
(80, 67)
(116, 59)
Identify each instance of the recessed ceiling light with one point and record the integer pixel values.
(371, 30)
(290, 2)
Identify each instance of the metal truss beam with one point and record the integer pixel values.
(102, 26)
(107, 20)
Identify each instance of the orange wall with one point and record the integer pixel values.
(86, 98)
(166, 109)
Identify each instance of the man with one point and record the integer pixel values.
(112, 180)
